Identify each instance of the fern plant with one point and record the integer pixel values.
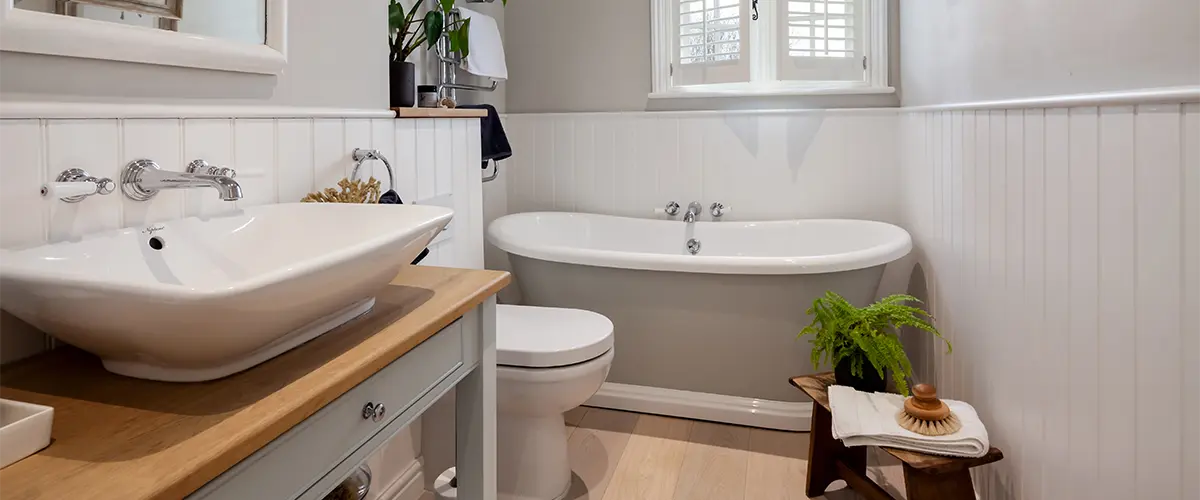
(843, 332)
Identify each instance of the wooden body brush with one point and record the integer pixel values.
(925, 414)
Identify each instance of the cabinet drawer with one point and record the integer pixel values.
(294, 461)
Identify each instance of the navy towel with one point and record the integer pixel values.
(391, 198)
(493, 141)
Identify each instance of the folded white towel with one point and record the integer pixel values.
(486, 57)
(869, 419)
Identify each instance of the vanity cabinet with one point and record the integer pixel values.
(291, 428)
(313, 457)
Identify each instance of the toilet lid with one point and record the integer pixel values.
(544, 337)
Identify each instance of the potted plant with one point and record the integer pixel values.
(407, 34)
(862, 343)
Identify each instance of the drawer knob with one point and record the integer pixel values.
(373, 411)
(379, 412)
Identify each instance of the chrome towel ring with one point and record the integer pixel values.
(361, 155)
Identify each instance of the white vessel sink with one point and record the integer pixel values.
(198, 299)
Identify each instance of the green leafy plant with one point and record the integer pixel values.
(407, 33)
(861, 335)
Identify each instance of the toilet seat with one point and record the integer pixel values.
(547, 337)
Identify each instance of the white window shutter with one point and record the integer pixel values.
(711, 40)
(822, 40)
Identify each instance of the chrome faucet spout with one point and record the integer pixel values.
(693, 210)
(142, 179)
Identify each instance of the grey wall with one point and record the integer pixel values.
(337, 57)
(581, 55)
(973, 50)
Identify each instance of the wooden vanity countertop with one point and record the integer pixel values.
(439, 113)
(117, 437)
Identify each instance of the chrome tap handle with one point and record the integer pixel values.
(204, 167)
(77, 180)
(671, 209)
(717, 210)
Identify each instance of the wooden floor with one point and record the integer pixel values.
(618, 455)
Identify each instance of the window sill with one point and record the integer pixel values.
(709, 93)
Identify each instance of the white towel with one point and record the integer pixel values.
(869, 419)
(486, 57)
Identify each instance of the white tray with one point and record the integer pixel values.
(24, 429)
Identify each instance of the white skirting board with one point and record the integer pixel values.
(779, 415)
(409, 485)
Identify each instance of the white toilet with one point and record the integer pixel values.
(550, 360)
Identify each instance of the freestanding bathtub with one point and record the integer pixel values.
(710, 335)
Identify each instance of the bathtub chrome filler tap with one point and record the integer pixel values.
(693, 210)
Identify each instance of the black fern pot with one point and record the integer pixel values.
(870, 381)
(403, 84)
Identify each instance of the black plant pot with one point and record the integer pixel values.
(870, 381)
(403, 84)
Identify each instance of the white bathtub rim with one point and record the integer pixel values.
(498, 235)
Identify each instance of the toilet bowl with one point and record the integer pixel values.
(550, 360)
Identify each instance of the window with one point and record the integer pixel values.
(769, 47)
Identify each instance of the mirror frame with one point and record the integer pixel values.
(54, 34)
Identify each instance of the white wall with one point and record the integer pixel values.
(765, 165)
(572, 56)
(337, 57)
(1062, 253)
(966, 51)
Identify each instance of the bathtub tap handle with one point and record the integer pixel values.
(672, 209)
(717, 210)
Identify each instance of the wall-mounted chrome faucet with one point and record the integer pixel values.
(142, 179)
(693, 210)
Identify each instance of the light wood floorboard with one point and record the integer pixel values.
(618, 455)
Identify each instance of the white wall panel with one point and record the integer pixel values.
(762, 165)
(254, 153)
(1061, 250)
(1159, 207)
(161, 140)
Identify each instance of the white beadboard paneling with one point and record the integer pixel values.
(1032, 346)
(1083, 314)
(383, 139)
(564, 164)
(23, 211)
(426, 157)
(254, 160)
(405, 161)
(1157, 369)
(1190, 319)
(160, 140)
(689, 182)
(294, 173)
(470, 208)
(21, 142)
(628, 181)
(1068, 283)
(210, 140)
(1057, 326)
(662, 163)
(443, 152)
(1116, 342)
(604, 175)
(331, 158)
(586, 196)
(92, 145)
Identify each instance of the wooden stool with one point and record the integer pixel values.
(926, 477)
